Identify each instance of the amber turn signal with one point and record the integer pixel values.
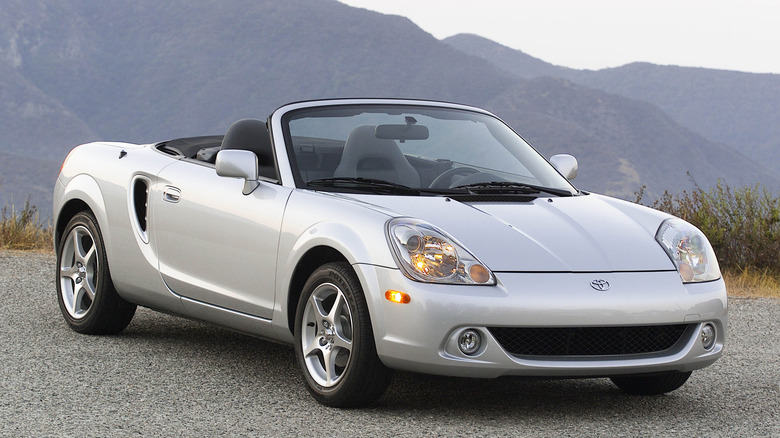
(397, 297)
(479, 274)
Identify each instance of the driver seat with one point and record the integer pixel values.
(369, 157)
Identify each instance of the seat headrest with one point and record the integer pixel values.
(252, 135)
(387, 161)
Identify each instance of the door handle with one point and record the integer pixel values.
(171, 194)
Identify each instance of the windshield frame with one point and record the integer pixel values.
(341, 108)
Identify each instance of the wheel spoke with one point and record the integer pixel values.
(89, 256)
(333, 315)
(89, 289)
(68, 271)
(341, 318)
(84, 254)
(77, 249)
(78, 297)
(310, 348)
(329, 358)
(317, 304)
(341, 342)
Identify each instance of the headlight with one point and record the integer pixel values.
(689, 249)
(427, 254)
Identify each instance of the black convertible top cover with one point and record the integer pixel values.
(190, 146)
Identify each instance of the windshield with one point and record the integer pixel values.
(428, 148)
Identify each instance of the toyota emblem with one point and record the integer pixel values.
(601, 285)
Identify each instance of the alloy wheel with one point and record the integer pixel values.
(326, 339)
(78, 272)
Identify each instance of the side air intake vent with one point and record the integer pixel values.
(141, 205)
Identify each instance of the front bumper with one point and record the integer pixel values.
(421, 336)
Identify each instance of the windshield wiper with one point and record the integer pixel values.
(378, 186)
(511, 187)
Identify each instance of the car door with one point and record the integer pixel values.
(216, 245)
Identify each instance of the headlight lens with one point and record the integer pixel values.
(689, 249)
(428, 254)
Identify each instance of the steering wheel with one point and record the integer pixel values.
(444, 180)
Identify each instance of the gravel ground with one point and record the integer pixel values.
(167, 376)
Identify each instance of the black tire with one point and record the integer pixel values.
(651, 384)
(85, 293)
(334, 342)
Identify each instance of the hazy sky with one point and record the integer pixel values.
(741, 35)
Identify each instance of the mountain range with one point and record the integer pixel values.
(739, 109)
(73, 71)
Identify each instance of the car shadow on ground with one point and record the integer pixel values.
(242, 356)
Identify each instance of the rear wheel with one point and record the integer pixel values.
(651, 384)
(334, 342)
(85, 292)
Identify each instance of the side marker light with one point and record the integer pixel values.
(398, 297)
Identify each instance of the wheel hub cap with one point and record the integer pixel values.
(326, 335)
(81, 273)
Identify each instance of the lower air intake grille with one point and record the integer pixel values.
(587, 341)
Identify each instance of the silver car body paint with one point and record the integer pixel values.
(211, 253)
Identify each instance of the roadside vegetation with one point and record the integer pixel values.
(23, 230)
(743, 225)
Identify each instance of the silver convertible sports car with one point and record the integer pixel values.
(385, 234)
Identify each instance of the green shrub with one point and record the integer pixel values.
(743, 224)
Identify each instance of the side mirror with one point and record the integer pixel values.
(237, 163)
(566, 164)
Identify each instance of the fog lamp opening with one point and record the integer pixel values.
(469, 342)
(708, 336)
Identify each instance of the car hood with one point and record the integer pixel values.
(588, 233)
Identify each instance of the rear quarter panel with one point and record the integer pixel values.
(100, 176)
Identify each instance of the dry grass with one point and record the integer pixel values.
(752, 283)
(23, 230)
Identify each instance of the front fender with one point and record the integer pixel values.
(345, 239)
(314, 220)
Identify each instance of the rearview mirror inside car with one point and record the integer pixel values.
(402, 132)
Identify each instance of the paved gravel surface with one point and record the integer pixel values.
(173, 377)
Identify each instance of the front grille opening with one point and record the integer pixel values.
(587, 341)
